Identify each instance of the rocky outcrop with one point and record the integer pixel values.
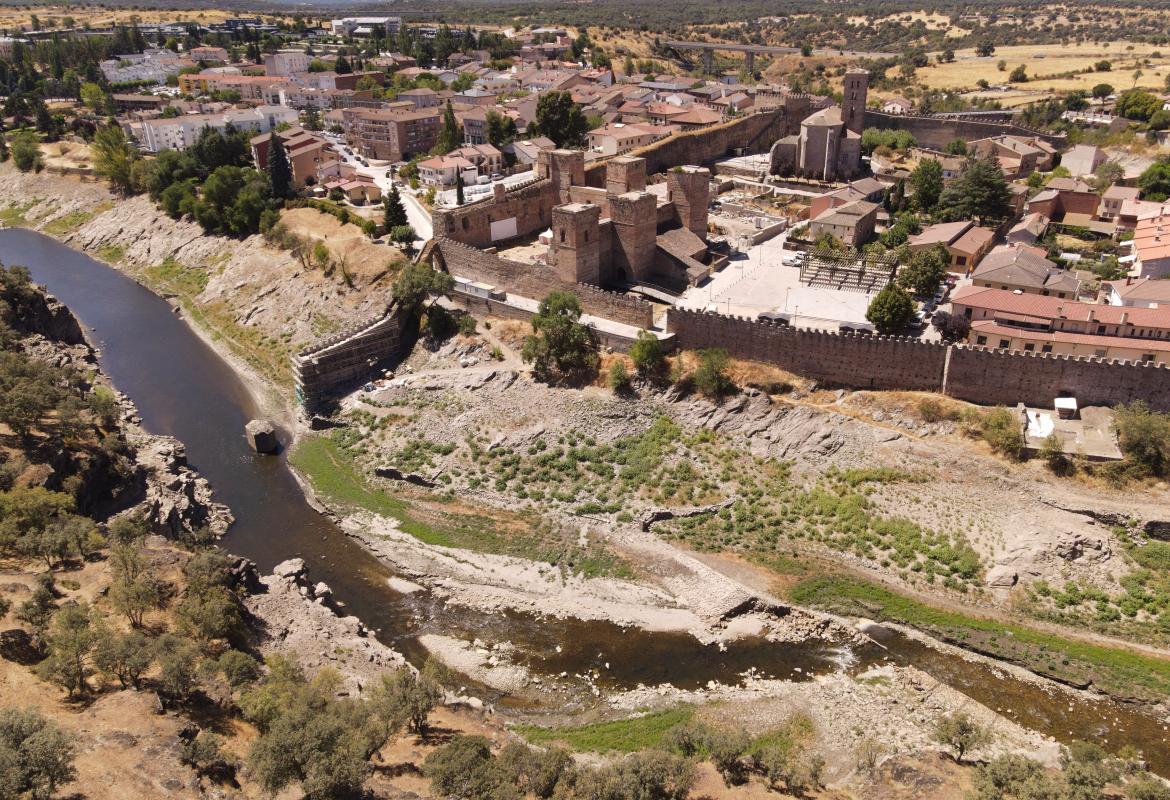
(177, 499)
(776, 430)
(298, 619)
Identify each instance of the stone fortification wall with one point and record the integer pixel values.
(938, 132)
(864, 362)
(976, 374)
(983, 375)
(754, 133)
(536, 281)
(530, 206)
(344, 359)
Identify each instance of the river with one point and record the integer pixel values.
(183, 388)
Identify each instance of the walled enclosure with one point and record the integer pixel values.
(975, 374)
(534, 281)
(937, 132)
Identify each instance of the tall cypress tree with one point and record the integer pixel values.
(450, 136)
(395, 211)
(459, 188)
(279, 171)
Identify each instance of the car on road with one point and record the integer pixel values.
(775, 317)
(789, 261)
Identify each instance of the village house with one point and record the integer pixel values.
(852, 223)
(1082, 160)
(1028, 230)
(444, 171)
(1024, 268)
(306, 151)
(1138, 293)
(897, 105)
(391, 134)
(1151, 245)
(1036, 324)
(1113, 198)
(965, 242)
(619, 138)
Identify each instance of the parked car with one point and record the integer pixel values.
(497, 176)
(863, 328)
(775, 317)
(790, 261)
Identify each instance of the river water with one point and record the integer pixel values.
(184, 389)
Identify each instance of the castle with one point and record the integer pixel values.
(629, 230)
(827, 145)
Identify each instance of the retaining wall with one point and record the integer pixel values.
(536, 280)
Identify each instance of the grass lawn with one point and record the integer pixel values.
(1111, 668)
(623, 735)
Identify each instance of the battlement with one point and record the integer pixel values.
(970, 372)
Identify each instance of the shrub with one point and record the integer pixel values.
(711, 378)
(646, 353)
(619, 376)
(1004, 432)
(960, 734)
(36, 756)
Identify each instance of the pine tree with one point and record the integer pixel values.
(395, 210)
(450, 135)
(279, 171)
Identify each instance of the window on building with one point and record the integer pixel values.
(1099, 353)
(1046, 348)
(1005, 343)
(562, 235)
(1148, 357)
(967, 312)
(1029, 347)
(980, 340)
(1100, 329)
(1045, 293)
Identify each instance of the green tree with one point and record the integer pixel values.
(134, 591)
(1018, 75)
(405, 699)
(209, 608)
(92, 96)
(1155, 180)
(927, 182)
(114, 157)
(560, 119)
(125, 657)
(459, 197)
(1144, 437)
(416, 283)
(1137, 104)
(403, 235)
(960, 734)
(25, 148)
(280, 176)
(71, 638)
(26, 512)
(890, 310)
(647, 355)
(1102, 90)
(178, 666)
(450, 135)
(619, 376)
(924, 271)
(979, 191)
(710, 377)
(394, 212)
(501, 129)
(560, 342)
(36, 756)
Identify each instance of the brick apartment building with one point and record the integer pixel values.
(391, 134)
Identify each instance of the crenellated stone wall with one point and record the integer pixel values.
(838, 359)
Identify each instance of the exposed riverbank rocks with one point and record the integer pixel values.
(178, 500)
(296, 618)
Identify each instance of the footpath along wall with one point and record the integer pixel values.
(976, 374)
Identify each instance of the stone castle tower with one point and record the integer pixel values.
(856, 91)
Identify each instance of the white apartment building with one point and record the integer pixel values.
(179, 133)
(286, 62)
(364, 26)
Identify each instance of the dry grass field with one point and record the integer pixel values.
(50, 15)
(1047, 60)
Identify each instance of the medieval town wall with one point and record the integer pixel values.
(938, 132)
